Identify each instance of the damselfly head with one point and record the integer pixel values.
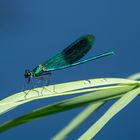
(27, 74)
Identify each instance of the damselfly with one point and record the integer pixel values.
(69, 57)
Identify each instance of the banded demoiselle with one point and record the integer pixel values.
(69, 57)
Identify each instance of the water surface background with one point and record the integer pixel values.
(32, 31)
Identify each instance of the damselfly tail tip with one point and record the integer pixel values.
(111, 53)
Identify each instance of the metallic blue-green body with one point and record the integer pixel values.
(69, 57)
(71, 54)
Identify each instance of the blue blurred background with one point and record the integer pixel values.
(32, 31)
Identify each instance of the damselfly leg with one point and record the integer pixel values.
(43, 80)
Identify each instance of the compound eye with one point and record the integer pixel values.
(27, 74)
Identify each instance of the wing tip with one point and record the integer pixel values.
(90, 38)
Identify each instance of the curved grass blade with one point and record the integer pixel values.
(135, 76)
(111, 112)
(103, 95)
(77, 121)
(80, 118)
(89, 85)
